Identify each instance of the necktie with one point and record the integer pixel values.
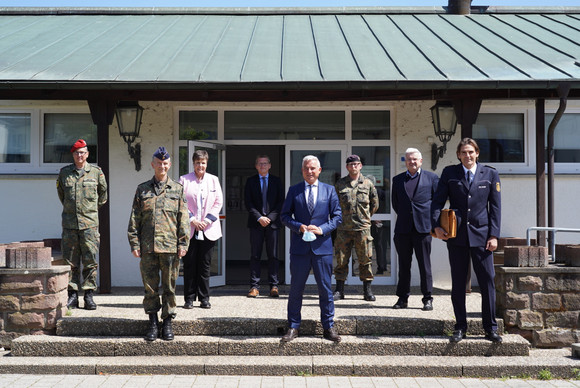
(469, 177)
(264, 195)
(310, 199)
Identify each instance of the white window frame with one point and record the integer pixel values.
(36, 165)
(529, 163)
(563, 168)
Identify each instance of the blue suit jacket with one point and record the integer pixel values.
(327, 215)
(417, 210)
(478, 206)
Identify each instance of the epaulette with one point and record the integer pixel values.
(487, 165)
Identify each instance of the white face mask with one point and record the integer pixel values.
(309, 236)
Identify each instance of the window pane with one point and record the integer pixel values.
(62, 130)
(500, 137)
(280, 125)
(198, 125)
(371, 125)
(14, 138)
(566, 138)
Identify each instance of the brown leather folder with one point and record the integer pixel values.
(448, 222)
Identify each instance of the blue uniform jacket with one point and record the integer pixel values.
(478, 206)
(327, 215)
(417, 210)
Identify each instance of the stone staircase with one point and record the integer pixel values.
(376, 341)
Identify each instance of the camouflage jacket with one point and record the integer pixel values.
(82, 193)
(159, 222)
(358, 200)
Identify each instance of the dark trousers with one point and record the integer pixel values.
(196, 265)
(482, 260)
(257, 238)
(406, 243)
(300, 266)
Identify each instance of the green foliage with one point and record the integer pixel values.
(545, 374)
(576, 373)
(192, 134)
(303, 373)
(68, 312)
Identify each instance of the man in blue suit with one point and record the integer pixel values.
(311, 211)
(473, 191)
(412, 194)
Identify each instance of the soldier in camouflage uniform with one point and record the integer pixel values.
(359, 201)
(159, 234)
(82, 190)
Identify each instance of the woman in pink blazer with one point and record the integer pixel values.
(204, 201)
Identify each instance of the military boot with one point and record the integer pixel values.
(339, 290)
(89, 302)
(153, 329)
(167, 330)
(368, 293)
(73, 300)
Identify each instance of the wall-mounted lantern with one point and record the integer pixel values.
(129, 115)
(445, 125)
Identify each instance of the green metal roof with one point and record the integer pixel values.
(204, 48)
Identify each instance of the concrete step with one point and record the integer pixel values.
(33, 345)
(356, 325)
(559, 363)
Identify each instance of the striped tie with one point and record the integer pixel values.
(310, 199)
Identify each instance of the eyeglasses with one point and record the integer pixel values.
(263, 164)
(79, 153)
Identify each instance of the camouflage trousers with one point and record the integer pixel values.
(151, 264)
(80, 248)
(363, 246)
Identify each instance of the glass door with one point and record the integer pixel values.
(215, 166)
(331, 158)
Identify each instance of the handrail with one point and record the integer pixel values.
(553, 231)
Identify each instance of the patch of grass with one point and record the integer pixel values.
(420, 333)
(303, 373)
(545, 374)
(576, 373)
(68, 312)
(522, 376)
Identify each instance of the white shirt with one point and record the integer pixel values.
(314, 191)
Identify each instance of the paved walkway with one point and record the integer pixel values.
(124, 381)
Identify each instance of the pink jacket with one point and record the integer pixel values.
(212, 201)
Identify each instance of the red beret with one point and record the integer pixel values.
(79, 144)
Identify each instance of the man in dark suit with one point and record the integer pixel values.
(412, 194)
(311, 211)
(473, 191)
(263, 196)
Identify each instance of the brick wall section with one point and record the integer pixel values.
(31, 301)
(540, 303)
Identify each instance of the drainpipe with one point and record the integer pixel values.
(563, 90)
(459, 7)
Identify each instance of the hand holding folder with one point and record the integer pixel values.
(448, 222)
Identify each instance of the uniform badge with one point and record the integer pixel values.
(497, 188)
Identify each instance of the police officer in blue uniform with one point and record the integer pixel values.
(473, 191)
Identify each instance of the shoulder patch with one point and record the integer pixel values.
(497, 187)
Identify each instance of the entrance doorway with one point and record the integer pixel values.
(240, 165)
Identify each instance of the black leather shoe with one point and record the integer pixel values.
(73, 300)
(89, 302)
(205, 304)
(331, 335)
(427, 305)
(153, 328)
(457, 336)
(167, 330)
(400, 305)
(188, 305)
(339, 290)
(493, 336)
(290, 335)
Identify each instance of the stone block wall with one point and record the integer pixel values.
(540, 303)
(31, 301)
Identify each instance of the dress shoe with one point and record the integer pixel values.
(89, 302)
(253, 292)
(274, 293)
(367, 292)
(205, 304)
(339, 290)
(493, 336)
(73, 300)
(188, 305)
(167, 330)
(401, 304)
(153, 328)
(427, 305)
(331, 334)
(457, 336)
(290, 335)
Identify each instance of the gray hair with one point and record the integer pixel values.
(308, 158)
(413, 151)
